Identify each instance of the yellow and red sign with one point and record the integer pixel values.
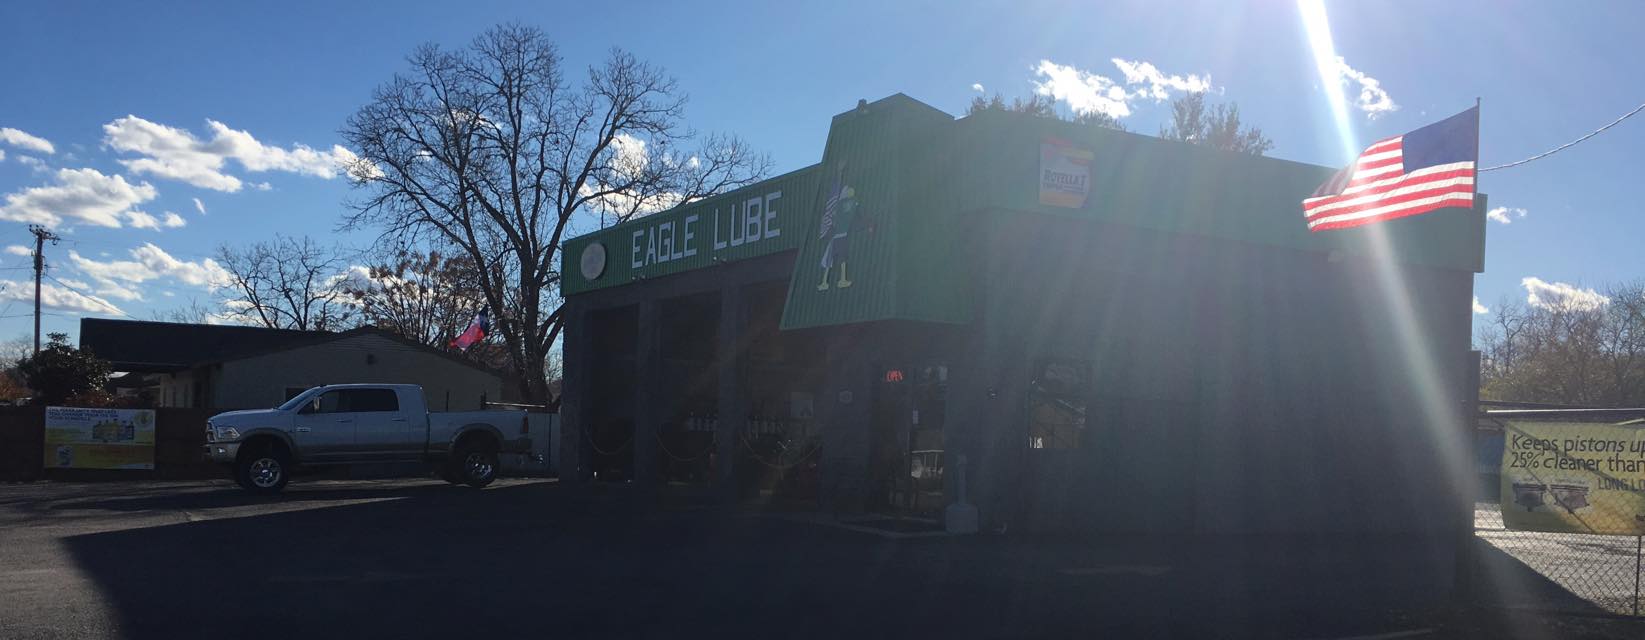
(1574, 478)
(91, 438)
(1065, 173)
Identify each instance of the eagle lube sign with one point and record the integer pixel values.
(723, 227)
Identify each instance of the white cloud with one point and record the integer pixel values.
(1084, 92)
(1372, 99)
(1505, 215)
(977, 87)
(1559, 296)
(359, 278)
(23, 140)
(141, 220)
(56, 297)
(1479, 308)
(262, 186)
(1087, 92)
(1159, 85)
(174, 221)
(200, 206)
(19, 250)
(83, 195)
(169, 294)
(119, 278)
(2, 156)
(177, 154)
(630, 157)
(31, 162)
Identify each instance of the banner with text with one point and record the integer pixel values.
(1065, 173)
(85, 438)
(1574, 477)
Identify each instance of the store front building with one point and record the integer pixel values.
(1096, 330)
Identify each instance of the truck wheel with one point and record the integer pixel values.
(474, 464)
(263, 470)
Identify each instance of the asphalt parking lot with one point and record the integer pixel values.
(528, 558)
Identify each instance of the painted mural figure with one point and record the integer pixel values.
(841, 212)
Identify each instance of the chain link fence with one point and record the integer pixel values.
(1576, 573)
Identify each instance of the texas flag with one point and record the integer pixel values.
(475, 332)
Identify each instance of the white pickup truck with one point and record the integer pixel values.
(345, 424)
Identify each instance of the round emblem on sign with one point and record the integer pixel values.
(593, 261)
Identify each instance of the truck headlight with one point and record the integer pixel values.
(226, 434)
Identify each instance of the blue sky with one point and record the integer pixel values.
(111, 87)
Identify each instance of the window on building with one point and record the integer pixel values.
(1057, 400)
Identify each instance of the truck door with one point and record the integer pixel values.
(383, 425)
(324, 429)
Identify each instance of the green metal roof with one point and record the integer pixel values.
(763, 218)
(920, 181)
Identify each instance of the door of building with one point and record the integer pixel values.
(907, 456)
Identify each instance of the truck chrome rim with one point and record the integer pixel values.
(265, 472)
(479, 467)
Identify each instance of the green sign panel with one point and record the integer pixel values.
(761, 219)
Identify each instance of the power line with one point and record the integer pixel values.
(82, 292)
(1570, 144)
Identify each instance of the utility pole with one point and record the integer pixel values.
(41, 235)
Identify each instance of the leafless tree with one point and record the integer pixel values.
(288, 283)
(16, 349)
(1588, 354)
(193, 313)
(488, 150)
(425, 297)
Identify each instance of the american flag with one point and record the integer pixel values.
(1427, 169)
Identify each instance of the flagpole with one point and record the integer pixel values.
(1478, 127)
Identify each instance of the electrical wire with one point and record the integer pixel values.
(75, 289)
(1570, 144)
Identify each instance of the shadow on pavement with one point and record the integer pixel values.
(537, 561)
(229, 495)
(1502, 580)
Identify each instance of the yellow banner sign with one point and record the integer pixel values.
(1574, 477)
(87, 438)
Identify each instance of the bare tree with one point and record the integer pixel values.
(425, 297)
(1580, 354)
(16, 349)
(193, 313)
(1217, 126)
(490, 151)
(289, 283)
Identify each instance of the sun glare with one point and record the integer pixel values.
(1418, 356)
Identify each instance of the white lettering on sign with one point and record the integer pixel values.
(690, 235)
(740, 223)
(771, 230)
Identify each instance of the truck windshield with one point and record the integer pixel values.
(295, 401)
